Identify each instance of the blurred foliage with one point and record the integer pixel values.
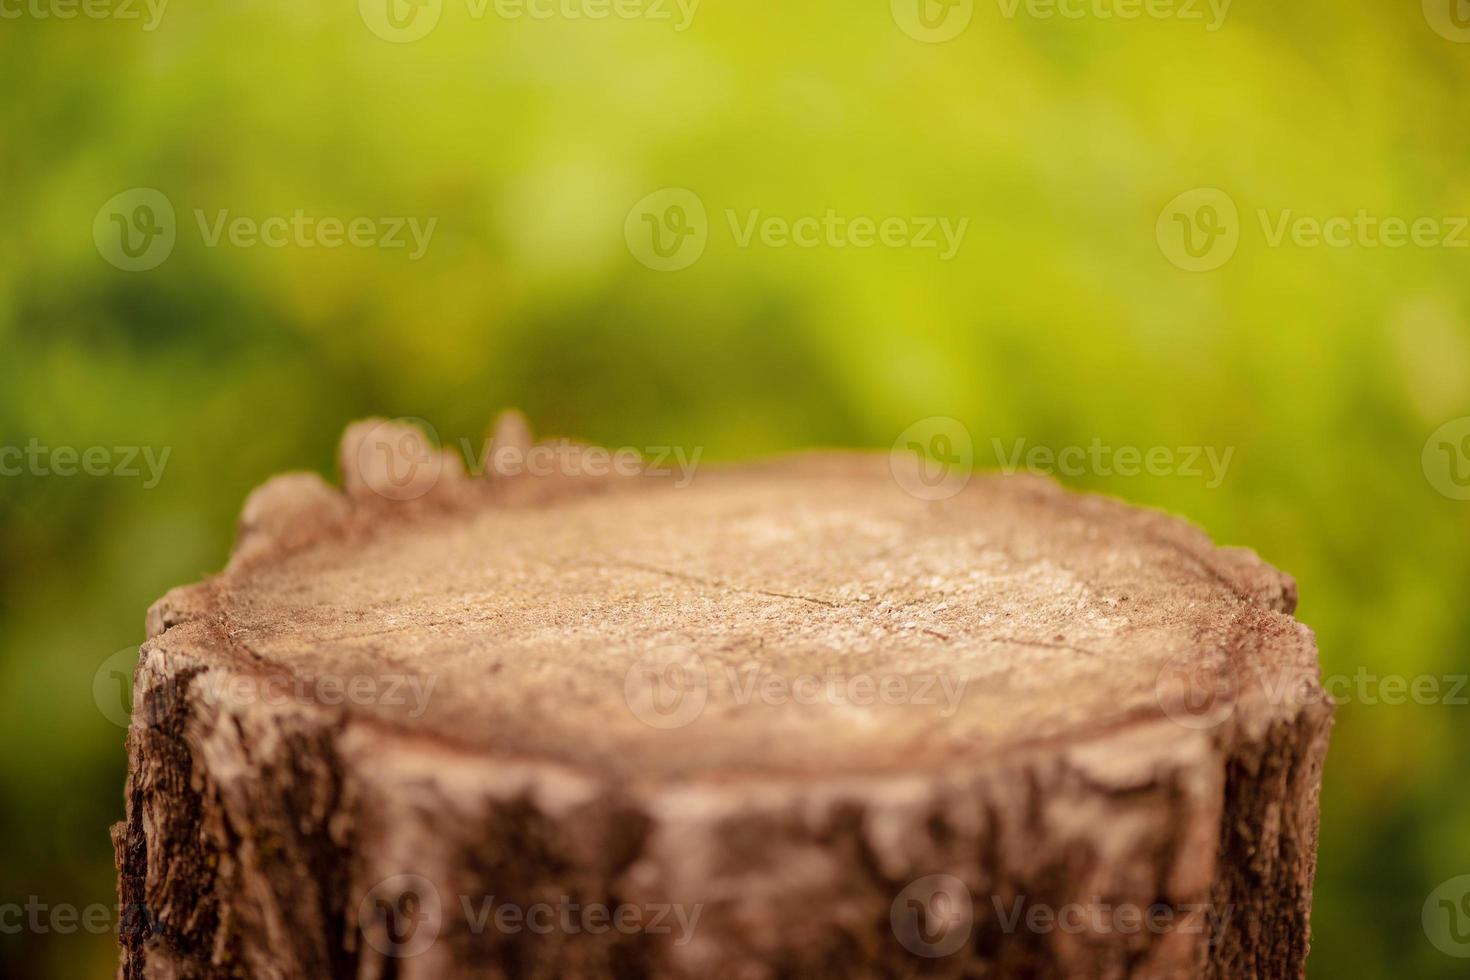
(1060, 321)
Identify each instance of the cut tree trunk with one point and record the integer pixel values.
(780, 720)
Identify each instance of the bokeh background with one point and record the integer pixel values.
(1062, 319)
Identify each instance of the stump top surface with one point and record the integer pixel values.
(797, 616)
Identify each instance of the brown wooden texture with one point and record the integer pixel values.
(777, 720)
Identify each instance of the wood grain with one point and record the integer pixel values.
(840, 730)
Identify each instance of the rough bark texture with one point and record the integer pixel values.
(839, 730)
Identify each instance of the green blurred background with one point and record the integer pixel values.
(1061, 319)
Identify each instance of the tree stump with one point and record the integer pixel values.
(786, 719)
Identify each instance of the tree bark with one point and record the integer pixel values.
(787, 720)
